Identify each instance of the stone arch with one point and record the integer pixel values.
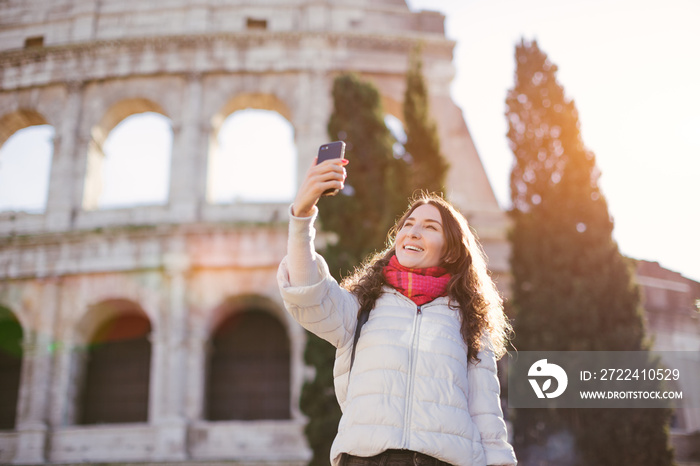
(392, 107)
(99, 134)
(242, 302)
(26, 161)
(247, 100)
(394, 121)
(22, 118)
(12, 303)
(249, 364)
(234, 151)
(100, 312)
(102, 296)
(115, 364)
(119, 111)
(11, 354)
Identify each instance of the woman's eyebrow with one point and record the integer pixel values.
(426, 220)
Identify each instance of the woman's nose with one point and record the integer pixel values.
(413, 232)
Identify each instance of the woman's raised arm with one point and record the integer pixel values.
(302, 266)
(310, 293)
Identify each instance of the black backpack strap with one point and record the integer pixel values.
(362, 319)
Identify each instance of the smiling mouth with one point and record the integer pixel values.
(413, 248)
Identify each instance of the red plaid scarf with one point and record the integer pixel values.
(419, 285)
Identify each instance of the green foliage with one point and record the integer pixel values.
(572, 289)
(375, 191)
(625, 436)
(428, 166)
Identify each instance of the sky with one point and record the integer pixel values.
(632, 68)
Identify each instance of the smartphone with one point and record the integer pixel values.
(330, 151)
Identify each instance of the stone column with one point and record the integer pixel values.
(69, 362)
(171, 376)
(300, 373)
(32, 412)
(86, 177)
(197, 354)
(31, 424)
(158, 380)
(188, 165)
(69, 368)
(61, 197)
(312, 109)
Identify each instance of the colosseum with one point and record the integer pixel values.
(154, 333)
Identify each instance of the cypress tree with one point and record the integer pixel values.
(375, 193)
(572, 289)
(359, 217)
(428, 166)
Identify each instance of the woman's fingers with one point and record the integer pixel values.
(329, 174)
(330, 170)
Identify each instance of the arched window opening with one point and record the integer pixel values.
(397, 130)
(117, 372)
(135, 164)
(253, 159)
(249, 369)
(11, 335)
(25, 165)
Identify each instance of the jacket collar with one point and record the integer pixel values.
(442, 300)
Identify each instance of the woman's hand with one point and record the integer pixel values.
(329, 174)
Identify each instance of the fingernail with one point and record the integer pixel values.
(345, 161)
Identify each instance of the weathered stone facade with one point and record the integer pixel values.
(83, 66)
(672, 316)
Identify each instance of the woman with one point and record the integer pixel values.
(420, 386)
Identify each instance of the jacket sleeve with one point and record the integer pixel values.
(485, 409)
(323, 308)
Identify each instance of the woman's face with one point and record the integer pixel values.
(420, 242)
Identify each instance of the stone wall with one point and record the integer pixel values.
(83, 66)
(672, 318)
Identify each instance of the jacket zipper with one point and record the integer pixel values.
(411, 376)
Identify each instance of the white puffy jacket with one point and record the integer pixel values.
(411, 385)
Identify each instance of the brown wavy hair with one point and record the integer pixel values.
(471, 290)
